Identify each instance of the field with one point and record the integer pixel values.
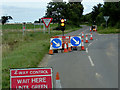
(24, 51)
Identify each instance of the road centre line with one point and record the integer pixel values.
(92, 64)
(92, 42)
(89, 44)
(86, 50)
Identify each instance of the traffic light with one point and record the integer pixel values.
(62, 24)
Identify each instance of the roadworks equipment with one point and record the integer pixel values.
(95, 29)
(58, 84)
(86, 39)
(91, 38)
(50, 50)
(69, 46)
(90, 29)
(82, 35)
(65, 48)
(82, 45)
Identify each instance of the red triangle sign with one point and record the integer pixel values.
(47, 21)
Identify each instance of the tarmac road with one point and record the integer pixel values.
(97, 67)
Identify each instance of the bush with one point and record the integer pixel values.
(118, 25)
(103, 25)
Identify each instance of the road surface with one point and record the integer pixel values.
(97, 67)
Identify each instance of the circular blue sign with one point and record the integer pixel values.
(75, 41)
(56, 43)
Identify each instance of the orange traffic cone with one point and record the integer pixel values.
(69, 46)
(58, 84)
(82, 35)
(86, 39)
(91, 38)
(90, 29)
(82, 45)
(65, 48)
(50, 50)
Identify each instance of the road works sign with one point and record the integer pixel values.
(106, 18)
(75, 41)
(32, 78)
(56, 43)
(47, 21)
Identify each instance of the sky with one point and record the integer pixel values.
(31, 10)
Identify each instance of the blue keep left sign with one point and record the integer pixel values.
(75, 41)
(56, 43)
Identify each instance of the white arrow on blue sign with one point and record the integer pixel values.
(56, 43)
(75, 41)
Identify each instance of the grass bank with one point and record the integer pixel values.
(24, 51)
(108, 30)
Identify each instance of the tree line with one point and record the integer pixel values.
(111, 9)
(73, 13)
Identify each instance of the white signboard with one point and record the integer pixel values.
(106, 18)
(46, 21)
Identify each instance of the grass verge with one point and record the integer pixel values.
(108, 30)
(24, 51)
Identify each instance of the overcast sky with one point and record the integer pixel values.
(31, 10)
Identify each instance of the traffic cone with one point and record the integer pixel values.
(50, 50)
(82, 45)
(90, 29)
(86, 39)
(58, 84)
(95, 29)
(69, 46)
(82, 35)
(65, 48)
(91, 38)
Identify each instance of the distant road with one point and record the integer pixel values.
(97, 67)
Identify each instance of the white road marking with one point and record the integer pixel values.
(92, 64)
(98, 75)
(89, 44)
(86, 50)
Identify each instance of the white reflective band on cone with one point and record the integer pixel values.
(58, 84)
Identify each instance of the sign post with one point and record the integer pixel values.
(31, 78)
(47, 22)
(24, 27)
(106, 19)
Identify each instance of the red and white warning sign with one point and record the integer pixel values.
(47, 21)
(32, 78)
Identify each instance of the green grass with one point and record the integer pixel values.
(24, 51)
(108, 30)
(14, 27)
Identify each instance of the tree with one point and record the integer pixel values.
(5, 19)
(70, 11)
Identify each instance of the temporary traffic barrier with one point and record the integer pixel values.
(58, 84)
(91, 38)
(50, 50)
(82, 35)
(65, 47)
(86, 39)
(82, 45)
